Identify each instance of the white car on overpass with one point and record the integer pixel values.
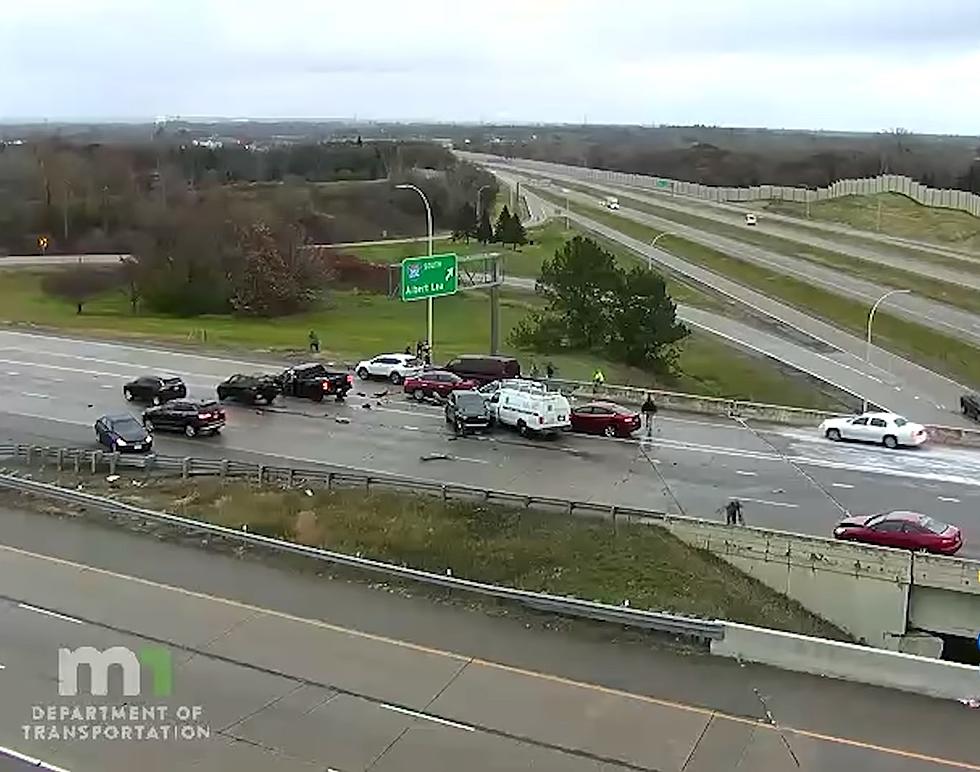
(394, 367)
(886, 429)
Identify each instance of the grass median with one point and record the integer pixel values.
(931, 349)
(529, 550)
(886, 276)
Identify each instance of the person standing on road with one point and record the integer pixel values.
(598, 380)
(733, 513)
(314, 342)
(649, 411)
(549, 370)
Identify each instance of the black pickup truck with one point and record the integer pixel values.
(315, 381)
(970, 405)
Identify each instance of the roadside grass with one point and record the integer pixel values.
(936, 289)
(530, 550)
(931, 349)
(353, 325)
(900, 216)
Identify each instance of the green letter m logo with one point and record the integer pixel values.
(157, 660)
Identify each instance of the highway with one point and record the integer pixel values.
(890, 380)
(53, 389)
(292, 671)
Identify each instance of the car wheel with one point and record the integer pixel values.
(362, 373)
(190, 430)
(833, 435)
(395, 378)
(419, 395)
(522, 428)
(148, 425)
(221, 396)
(449, 419)
(609, 431)
(889, 441)
(128, 395)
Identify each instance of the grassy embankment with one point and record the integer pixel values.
(931, 349)
(352, 325)
(885, 276)
(527, 549)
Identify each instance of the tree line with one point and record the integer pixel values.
(508, 228)
(593, 305)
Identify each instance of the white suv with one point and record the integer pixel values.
(395, 367)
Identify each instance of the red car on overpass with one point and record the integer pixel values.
(906, 530)
(436, 383)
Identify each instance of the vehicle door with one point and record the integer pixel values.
(443, 383)
(604, 416)
(855, 429)
(584, 419)
(888, 533)
(175, 414)
(101, 430)
(877, 428)
(915, 536)
(381, 366)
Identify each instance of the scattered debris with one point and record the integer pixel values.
(341, 420)
(436, 457)
(366, 406)
(308, 492)
(245, 527)
(360, 393)
(971, 702)
(779, 490)
(112, 478)
(383, 393)
(626, 603)
(449, 572)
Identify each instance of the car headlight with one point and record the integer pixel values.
(121, 442)
(838, 531)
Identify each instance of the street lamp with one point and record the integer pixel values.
(428, 220)
(653, 244)
(871, 316)
(482, 188)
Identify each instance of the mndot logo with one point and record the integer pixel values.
(155, 659)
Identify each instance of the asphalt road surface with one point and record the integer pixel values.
(296, 672)
(53, 389)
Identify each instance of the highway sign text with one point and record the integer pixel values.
(429, 277)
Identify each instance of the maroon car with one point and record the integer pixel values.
(432, 383)
(605, 418)
(908, 530)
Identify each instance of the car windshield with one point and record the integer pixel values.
(900, 421)
(469, 399)
(127, 428)
(171, 381)
(933, 525)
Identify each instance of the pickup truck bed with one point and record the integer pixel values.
(315, 381)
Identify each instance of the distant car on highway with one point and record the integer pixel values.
(886, 429)
(970, 405)
(315, 381)
(192, 417)
(906, 530)
(155, 389)
(249, 388)
(468, 411)
(123, 434)
(606, 418)
(393, 367)
(435, 383)
(751, 219)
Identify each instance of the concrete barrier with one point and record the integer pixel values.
(953, 435)
(849, 662)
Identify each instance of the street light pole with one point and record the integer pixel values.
(871, 317)
(478, 193)
(428, 222)
(653, 244)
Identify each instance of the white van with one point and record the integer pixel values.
(751, 219)
(612, 202)
(531, 409)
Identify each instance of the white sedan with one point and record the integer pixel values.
(885, 429)
(395, 367)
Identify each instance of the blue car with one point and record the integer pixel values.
(123, 434)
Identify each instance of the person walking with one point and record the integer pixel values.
(534, 370)
(549, 370)
(598, 380)
(649, 411)
(733, 513)
(314, 342)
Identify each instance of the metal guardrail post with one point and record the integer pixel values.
(367, 483)
(113, 460)
(59, 457)
(260, 473)
(95, 460)
(224, 468)
(185, 468)
(30, 455)
(329, 481)
(445, 492)
(291, 477)
(77, 462)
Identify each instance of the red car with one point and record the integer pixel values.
(908, 530)
(433, 383)
(605, 418)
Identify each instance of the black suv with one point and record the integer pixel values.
(970, 405)
(188, 416)
(123, 434)
(155, 389)
(315, 381)
(468, 411)
(249, 388)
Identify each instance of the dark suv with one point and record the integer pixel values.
(249, 388)
(315, 381)
(484, 369)
(970, 405)
(188, 416)
(123, 434)
(468, 411)
(155, 389)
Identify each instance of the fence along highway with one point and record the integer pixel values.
(54, 389)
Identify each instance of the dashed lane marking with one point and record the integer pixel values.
(786, 504)
(949, 499)
(45, 612)
(427, 717)
(842, 485)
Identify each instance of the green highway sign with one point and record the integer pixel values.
(663, 183)
(429, 276)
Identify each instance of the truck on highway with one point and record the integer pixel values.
(611, 202)
(530, 408)
(315, 381)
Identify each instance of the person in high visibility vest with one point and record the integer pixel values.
(598, 380)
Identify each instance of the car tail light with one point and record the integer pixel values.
(540, 419)
(326, 385)
(350, 378)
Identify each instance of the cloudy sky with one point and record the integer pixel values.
(833, 64)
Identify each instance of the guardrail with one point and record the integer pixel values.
(705, 630)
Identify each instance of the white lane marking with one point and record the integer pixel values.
(30, 760)
(411, 428)
(770, 503)
(13, 373)
(842, 485)
(3, 667)
(746, 474)
(427, 717)
(47, 613)
(950, 499)
(470, 460)
(34, 395)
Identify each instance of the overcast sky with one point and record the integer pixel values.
(833, 64)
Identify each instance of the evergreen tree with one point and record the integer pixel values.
(503, 221)
(464, 223)
(484, 231)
